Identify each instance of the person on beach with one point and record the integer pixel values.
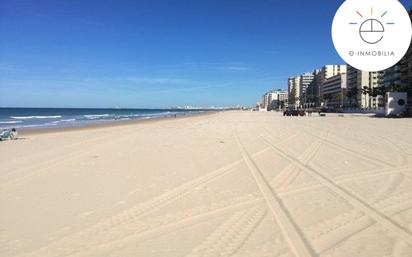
(8, 134)
(13, 134)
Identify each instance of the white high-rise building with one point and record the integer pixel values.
(334, 91)
(305, 80)
(294, 91)
(326, 72)
(279, 96)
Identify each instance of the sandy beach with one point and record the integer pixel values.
(242, 184)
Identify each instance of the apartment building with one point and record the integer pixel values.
(306, 79)
(406, 69)
(314, 91)
(273, 99)
(294, 91)
(334, 91)
(392, 76)
(399, 76)
(356, 81)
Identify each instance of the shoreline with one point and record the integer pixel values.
(109, 124)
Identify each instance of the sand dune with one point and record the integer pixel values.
(228, 184)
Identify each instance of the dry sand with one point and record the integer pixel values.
(229, 184)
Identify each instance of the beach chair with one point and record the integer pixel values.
(5, 135)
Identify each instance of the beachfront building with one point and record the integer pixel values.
(306, 79)
(357, 80)
(326, 72)
(294, 91)
(314, 95)
(399, 76)
(281, 100)
(406, 74)
(312, 91)
(334, 91)
(274, 99)
(391, 77)
(406, 69)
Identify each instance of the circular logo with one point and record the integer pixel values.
(372, 35)
(371, 31)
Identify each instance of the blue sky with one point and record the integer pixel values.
(85, 53)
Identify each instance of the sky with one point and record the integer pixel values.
(158, 53)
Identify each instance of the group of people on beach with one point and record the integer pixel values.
(8, 134)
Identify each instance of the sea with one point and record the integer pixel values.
(24, 118)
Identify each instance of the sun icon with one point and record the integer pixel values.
(372, 29)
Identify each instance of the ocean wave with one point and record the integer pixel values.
(130, 115)
(68, 120)
(158, 114)
(95, 116)
(35, 117)
(38, 125)
(61, 121)
(11, 122)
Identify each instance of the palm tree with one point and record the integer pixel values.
(353, 94)
(365, 92)
(395, 88)
(380, 91)
(373, 93)
(327, 98)
(292, 96)
(337, 98)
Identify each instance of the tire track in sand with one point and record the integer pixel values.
(390, 206)
(234, 231)
(349, 151)
(351, 198)
(230, 236)
(329, 233)
(340, 180)
(132, 215)
(115, 237)
(290, 172)
(291, 232)
(118, 238)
